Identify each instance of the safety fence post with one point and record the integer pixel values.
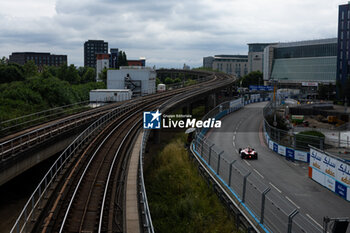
(230, 174)
(290, 220)
(263, 204)
(210, 153)
(218, 167)
(244, 185)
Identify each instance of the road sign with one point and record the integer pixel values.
(260, 88)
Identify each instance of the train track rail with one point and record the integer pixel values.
(88, 195)
(17, 143)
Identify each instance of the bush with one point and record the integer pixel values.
(313, 138)
(179, 198)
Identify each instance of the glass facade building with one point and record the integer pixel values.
(305, 61)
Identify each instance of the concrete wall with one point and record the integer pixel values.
(33, 158)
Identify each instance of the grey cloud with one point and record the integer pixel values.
(169, 32)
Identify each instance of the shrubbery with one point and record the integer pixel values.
(23, 90)
(313, 138)
(179, 198)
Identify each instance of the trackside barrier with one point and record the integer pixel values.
(330, 172)
(41, 116)
(294, 146)
(31, 209)
(147, 219)
(269, 210)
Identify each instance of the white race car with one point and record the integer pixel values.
(248, 153)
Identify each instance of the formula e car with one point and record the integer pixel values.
(248, 153)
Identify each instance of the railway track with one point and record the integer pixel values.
(17, 143)
(89, 196)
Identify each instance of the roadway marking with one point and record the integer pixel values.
(246, 162)
(314, 221)
(275, 187)
(233, 139)
(293, 202)
(258, 173)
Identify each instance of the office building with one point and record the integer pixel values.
(256, 56)
(301, 63)
(343, 61)
(113, 58)
(40, 59)
(91, 49)
(208, 62)
(231, 64)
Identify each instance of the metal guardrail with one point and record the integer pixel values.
(37, 135)
(147, 219)
(39, 117)
(183, 83)
(30, 210)
(146, 213)
(271, 210)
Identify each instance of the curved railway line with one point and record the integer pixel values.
(89, 195)
(16, 143)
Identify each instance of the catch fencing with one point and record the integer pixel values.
(294, 145)
(269, 209)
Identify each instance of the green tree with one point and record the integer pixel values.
(177, 80)
(122, 59)
(46, 72)
(68, 73)
(103, 75)
(253, 78)
(30, 69)
(10, 73)
(89, 75)
(168, 80)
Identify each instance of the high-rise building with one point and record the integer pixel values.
(208, 62)
(91, 49)
(113, 58)
(40, 59)
(256, 56)
(343, 61)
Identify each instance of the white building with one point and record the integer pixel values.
(110, 95)
(102, 61)
(231, 64)
(140, 80)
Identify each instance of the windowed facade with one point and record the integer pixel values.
(231, 64)
(305, 61)
(40, 59)
(91, 49)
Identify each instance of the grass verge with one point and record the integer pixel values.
(180, 200)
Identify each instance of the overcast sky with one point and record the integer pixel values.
(168, 33)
